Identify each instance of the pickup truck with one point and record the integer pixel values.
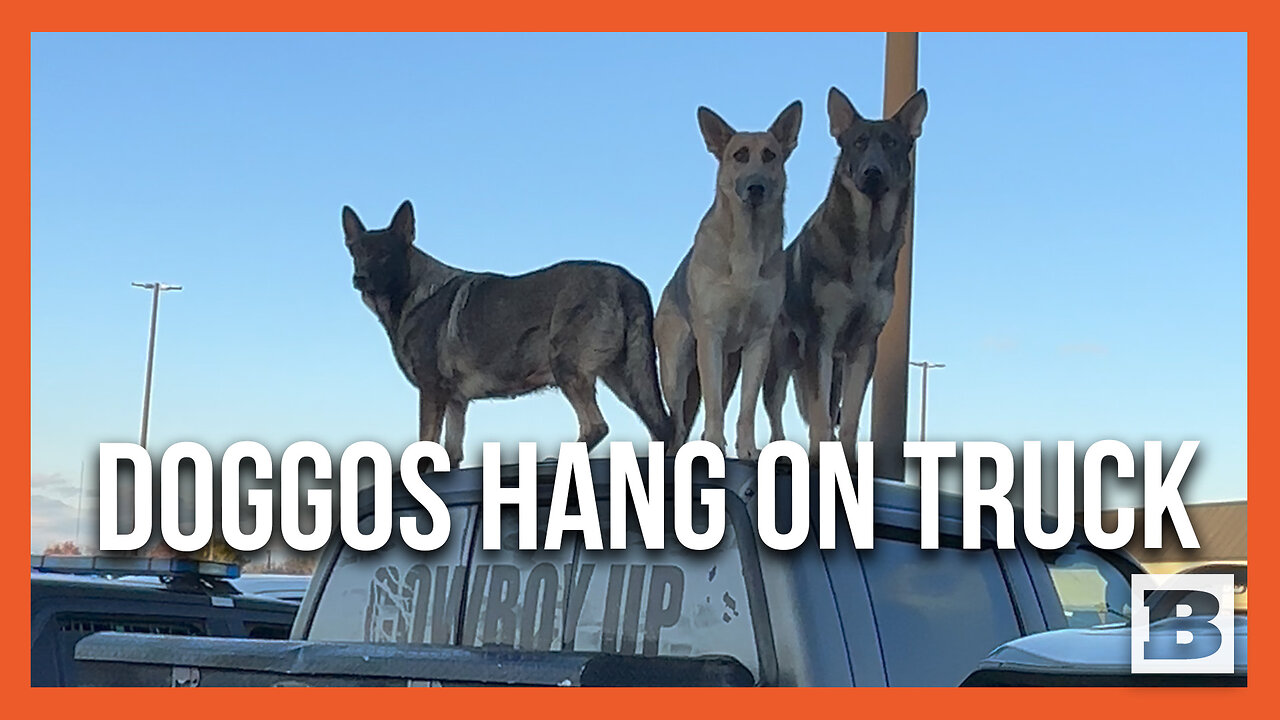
(737, 614)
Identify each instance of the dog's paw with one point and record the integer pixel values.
(717, 440)
(748, 452)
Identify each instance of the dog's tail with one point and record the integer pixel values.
(636, 380)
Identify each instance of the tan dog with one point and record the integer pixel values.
(718, 310)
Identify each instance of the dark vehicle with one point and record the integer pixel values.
(737, 614)
(73, 596)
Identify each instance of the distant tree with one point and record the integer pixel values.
(219, 551)
(299, 564)
(66, 547)
(216, 551)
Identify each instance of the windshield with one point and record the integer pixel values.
(1093, 591)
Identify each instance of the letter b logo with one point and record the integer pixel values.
(1194, 630)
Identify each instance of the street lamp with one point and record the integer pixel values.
(155, 288)
(924, 387)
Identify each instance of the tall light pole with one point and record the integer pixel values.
(889, 384)
(155, 288)
(924, 388)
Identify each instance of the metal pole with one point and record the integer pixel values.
(924, 397)
(924, 388)
(156, 289)
(151, 356)
(79, 504)
(889, 389)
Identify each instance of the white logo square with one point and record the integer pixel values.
(1172, 651)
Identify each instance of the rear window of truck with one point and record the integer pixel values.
(672, 603)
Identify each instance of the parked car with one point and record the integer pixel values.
(75, 596)
(289, 588)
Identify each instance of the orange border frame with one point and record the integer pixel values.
(241, 15)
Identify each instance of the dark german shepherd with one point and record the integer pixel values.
(840, 273)
(461, 336)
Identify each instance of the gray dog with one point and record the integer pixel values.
(461, 336)
(840, 273)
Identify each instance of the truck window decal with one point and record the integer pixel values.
(398, 606)
(673, 603)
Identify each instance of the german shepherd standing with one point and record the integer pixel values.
(717, 312)
(461, 336)
(840, 273)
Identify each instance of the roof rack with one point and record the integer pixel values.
(118, 566)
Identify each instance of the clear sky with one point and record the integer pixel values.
(1081, 223)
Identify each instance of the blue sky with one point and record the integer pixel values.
(1081, 223)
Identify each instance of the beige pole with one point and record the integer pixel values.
(889, 390)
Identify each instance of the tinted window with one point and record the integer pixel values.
(1092, 590)
(81, 625)
(396, 594)
(72, 627)
(938, 611)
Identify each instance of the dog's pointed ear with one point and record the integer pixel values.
(840, 111)
(352, 228)
(786, 128)
(911, 115)
(402, 223)
(715, 131)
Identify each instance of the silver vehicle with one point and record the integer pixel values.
(281, 586)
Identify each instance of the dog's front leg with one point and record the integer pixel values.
(711, 370)
(430, 416)
(856, 376)
(775, 394)
(783, 351)
(455, 426)
(818, 407)
(755, 360)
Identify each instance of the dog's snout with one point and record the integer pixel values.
(871, 181)
(754, 190)
(359, 280)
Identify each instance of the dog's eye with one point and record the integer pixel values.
(889, 142)
(767, 155)
(860, 142)
(742, 155)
